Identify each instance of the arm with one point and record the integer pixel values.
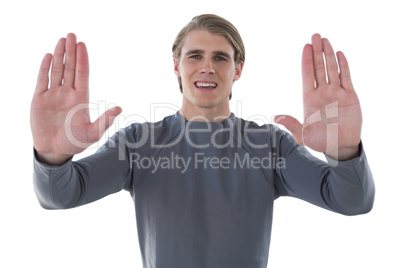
(61, 128)
(345, 187)
(73, 184)
(332, 125)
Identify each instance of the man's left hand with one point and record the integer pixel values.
(332, 113)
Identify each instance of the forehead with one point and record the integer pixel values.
(206, 41)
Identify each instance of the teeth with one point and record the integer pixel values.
(206, 85)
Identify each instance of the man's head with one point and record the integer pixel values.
(214, 25)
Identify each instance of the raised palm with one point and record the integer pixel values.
(332, 113)
(60, 121)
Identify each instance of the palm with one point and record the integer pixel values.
(332, 114)
(49, 118)
(327, 109)
(60, 121)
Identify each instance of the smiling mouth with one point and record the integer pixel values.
(205, 85)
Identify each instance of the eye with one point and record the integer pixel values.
(218, 58)
(196, 57)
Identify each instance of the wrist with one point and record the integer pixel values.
(344, 154)
(52, 159)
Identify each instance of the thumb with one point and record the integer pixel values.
(99, 127)
(292, 124)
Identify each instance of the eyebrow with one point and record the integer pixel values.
(199, 51)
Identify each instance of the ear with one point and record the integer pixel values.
(176, 63)
(238, 71)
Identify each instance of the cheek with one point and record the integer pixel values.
(228, 74)
(189, 75)
(185, 78)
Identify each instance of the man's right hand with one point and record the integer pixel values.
(58, 134)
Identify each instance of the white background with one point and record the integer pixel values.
(129, 44)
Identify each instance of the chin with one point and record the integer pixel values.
(205, 103)
(205, 100)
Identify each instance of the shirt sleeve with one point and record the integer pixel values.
(345, 187)
(76, 183)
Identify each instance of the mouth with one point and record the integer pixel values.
(203, 85)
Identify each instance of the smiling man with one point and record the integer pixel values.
(203, 181)
(207, 70)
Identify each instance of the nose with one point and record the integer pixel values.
(207, 67)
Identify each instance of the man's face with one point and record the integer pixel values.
(207, 69)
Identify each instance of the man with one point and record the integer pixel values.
(203, 180)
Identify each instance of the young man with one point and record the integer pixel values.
(203, 181)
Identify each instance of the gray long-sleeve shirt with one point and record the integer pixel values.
(204, 192)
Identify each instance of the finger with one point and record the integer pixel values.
(43, 77)
(345, 78)
(330, 60)
(292, 124)
(57, 64)
(308, 69)
(319, 68)
(82, 70)
(69, 66)
(103, 123)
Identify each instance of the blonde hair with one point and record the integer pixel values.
(215, 25)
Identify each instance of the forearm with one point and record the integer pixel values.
(55, 186)
(76, 183)
(346, 187)
(350, 185)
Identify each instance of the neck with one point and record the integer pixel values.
(205, 114)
